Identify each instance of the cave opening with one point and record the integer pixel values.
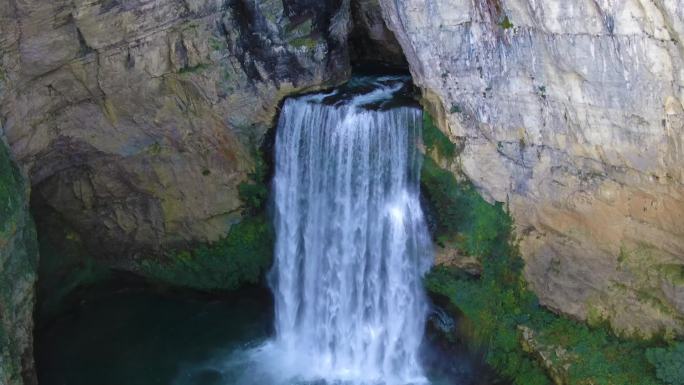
(372, 45)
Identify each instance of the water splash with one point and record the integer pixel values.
(352, 244)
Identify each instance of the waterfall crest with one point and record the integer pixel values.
(352, 243)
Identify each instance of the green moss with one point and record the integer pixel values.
(18, 261)
(673, 274)
(506, 23)
(495, 309)
(242, 257)
(434, 139)
(668, 362)
(154, 149)
(464, 219)
(498, 302)
(216, 44)
(11, 189)
(239, 258)
(254, 192)
(193, 69)
(304, 42)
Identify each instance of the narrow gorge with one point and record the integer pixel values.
(469, 192)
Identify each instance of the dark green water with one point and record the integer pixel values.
(144, 336)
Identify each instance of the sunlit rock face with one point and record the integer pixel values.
(136, 120)
(571, 111)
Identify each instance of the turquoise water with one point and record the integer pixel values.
(146, 336)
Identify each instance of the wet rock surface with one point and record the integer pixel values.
(18, 261)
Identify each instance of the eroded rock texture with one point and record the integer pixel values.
(137, 119)
(571, 111)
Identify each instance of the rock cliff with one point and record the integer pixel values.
(136, 120)
(18, 262)
(571, 112)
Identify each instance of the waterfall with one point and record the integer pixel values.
(352, 243)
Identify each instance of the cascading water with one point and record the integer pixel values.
(351, 249)
(352, 244)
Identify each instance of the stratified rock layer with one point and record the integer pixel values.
(137, 120)
(570, 111)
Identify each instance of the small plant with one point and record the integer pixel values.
(154, 149)
(505, 23)
(455, 109)
(434, 138)
(542, 91)
(193, 69)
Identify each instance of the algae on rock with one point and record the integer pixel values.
(240, 258)
(524, 341)
(18, 264)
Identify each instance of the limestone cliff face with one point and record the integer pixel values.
(137, 120)
(571, 111)
(18, 260)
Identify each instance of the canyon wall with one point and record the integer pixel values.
(136, 120)
(571, 113)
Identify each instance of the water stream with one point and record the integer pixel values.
(352, 243)
(352, 246)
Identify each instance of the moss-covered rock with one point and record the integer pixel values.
(242, 257)
(669, 363)
(18, 262)
(524, 341)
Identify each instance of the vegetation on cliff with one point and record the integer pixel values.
(242, 257)
(434, 139)
(669, 363)
(502, 308)
(18, 261)
(239, 258)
